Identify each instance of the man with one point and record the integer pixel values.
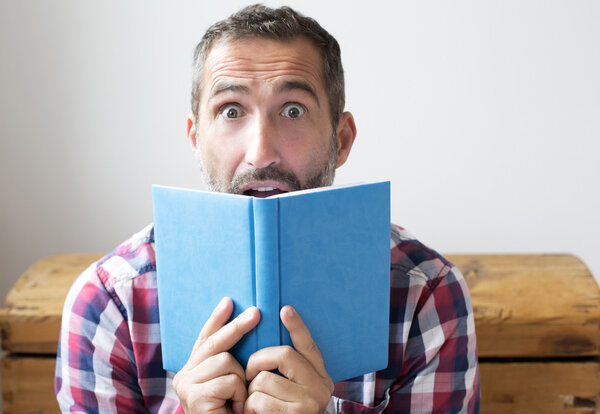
(267, 117)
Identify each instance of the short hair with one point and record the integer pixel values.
(282, 24)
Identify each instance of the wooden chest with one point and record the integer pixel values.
(537, 320)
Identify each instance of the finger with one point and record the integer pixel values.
(274, 385)
(217, 319)
(227, 387)
(238, 407)
(217, 366)
(283, 358)
(212, 395)
(302, 339)
(264, 403)
(226, 337)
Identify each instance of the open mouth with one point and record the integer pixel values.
(263, 192)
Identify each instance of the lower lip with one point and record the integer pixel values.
(263, 194)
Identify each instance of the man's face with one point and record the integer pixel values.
(264, 124)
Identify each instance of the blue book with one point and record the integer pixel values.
(324, 251)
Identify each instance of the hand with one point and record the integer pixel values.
(305, 386)
(212, 377)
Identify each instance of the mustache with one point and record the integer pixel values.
(264, 174)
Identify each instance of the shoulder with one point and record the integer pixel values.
(110, 332)
(132, 258)
(432, 331)
(110, 279)
(412, 259)
(422, 280)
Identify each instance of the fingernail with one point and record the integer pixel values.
(290, 312)
(221, 304)
(247, 315)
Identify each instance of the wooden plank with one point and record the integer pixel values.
(525, 305)
(516, 388)
(30, 316)
(538, 387)
(28, 385)
(532, 305)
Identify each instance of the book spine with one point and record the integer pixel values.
(266, 250)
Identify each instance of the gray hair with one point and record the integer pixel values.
(280, 24)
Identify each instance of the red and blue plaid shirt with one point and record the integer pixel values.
(109, 355)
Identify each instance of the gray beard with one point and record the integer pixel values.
(321, 178)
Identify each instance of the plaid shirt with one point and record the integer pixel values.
(109, 355)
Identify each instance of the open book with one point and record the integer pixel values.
(324, 251)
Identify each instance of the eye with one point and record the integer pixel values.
(231, 111)
(293, 111)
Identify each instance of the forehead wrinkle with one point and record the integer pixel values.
(261, 72)
(239, 69)
(262, 62)
(281, 80)
(226, 64)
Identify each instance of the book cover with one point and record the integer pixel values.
(324, 251)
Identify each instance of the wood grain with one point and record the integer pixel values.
(28, 385)
(532, 305)
(537, 387)
(516, 388)
(30, 316)
(524, 305)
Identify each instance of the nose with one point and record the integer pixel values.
(262, 150)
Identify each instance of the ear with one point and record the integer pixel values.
(191, 135)
(346, 133)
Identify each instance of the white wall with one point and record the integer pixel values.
(485, 116)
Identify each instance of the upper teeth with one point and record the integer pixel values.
(264, 189)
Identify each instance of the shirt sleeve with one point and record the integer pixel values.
(440, 372)
(95, 368)
(432, 351)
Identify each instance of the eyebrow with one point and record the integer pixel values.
(286, 86)
(298, 85)
(229, 87)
